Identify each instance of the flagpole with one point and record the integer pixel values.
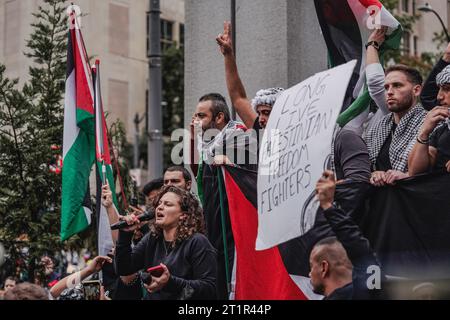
(98, 204)
(224, 234)
(99, 118)
(116, 164)
(104, 172)
(233, 40)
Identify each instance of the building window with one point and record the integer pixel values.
(406, 45)
(405, 5)
(167, 37)
(119, 25)
(12, 28)
(166, 34)
(416, 49)
(181, 35)
(118, 97)
(414, 7)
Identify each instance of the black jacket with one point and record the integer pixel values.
(360, 254)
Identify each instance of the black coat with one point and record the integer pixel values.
(360, 254)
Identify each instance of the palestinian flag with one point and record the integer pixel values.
(259, 275)
(78, 148)
(104, 168)
(346, 26)
(213, 195)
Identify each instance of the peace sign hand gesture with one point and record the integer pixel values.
(224, 40)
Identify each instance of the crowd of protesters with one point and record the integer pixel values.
(181, 252)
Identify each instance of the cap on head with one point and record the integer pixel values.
(266, 97)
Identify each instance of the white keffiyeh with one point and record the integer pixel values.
(266, 97)
(403, 139)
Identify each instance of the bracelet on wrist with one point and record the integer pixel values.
(374, 44)
(425, 142)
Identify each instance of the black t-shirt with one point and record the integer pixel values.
(383, 161)
(440, 139)
(351, 157)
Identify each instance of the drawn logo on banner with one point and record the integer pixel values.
(309, 210)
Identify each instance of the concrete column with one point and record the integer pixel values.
(279, 43)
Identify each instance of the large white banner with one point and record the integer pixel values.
(293, 155)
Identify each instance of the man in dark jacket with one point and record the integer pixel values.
(343, 267)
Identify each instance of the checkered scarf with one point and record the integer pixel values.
(233, 136)
(267, 97)
(403, 139)
(443, 77)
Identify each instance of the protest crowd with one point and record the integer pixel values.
(380, 217)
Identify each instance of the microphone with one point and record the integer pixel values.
(146, 216)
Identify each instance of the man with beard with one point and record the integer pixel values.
(222, 141)
(178, 176)
(391, 139)
(432, 149)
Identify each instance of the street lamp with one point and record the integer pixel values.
(428, 8)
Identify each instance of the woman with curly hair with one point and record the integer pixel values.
(177, 244)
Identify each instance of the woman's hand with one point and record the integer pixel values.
(158, 282)
(132, 221)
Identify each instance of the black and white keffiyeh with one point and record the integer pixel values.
(403, 139)
(266, 97)
(443, 77)
(73, 294)
(233, 137)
